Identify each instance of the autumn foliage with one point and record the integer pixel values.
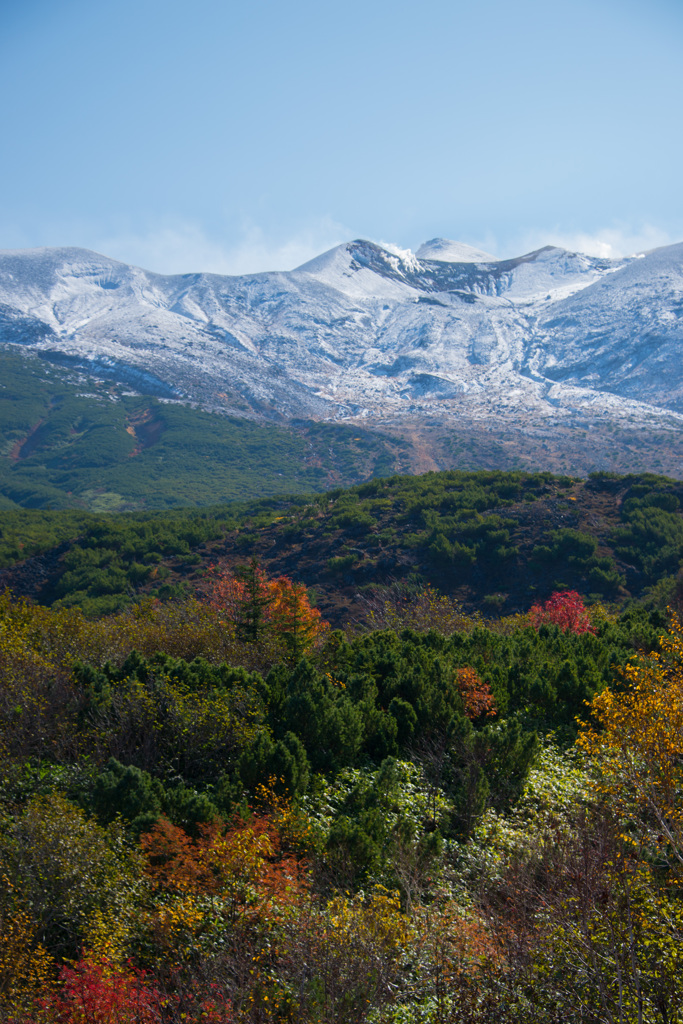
(636, 739)
(476, 694)
(277, 609)
(335, 829)
(244, 864)
(565, 608)
(97, 992)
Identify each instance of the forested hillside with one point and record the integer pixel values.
(496, 541)
(216, 807)
(70, 441)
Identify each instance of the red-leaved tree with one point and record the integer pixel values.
(565, 608)
(98, 992)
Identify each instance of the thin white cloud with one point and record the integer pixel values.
(182, 248)
(609, 243)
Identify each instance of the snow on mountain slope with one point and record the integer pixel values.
(362, 270)
(362, 331)
(551, 274)
(447, 251)
(623, 333)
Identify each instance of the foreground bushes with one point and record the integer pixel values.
(376, 831)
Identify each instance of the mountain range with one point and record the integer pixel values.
(567, 360)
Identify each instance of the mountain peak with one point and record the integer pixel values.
(445, 250)
(370, 331)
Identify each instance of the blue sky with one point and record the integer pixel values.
(237, 138)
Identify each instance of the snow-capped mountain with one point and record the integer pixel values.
(365, 331)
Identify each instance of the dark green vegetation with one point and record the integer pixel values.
(196, 736)
(68, 441)
(496, 541)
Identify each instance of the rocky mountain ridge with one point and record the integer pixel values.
(448, 336)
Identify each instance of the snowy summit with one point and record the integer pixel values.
(447, 251)
(370, 332)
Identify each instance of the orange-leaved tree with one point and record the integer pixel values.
(277, 609)
(244, 867)
(476, 693)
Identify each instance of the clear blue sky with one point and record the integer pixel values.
(242, 137)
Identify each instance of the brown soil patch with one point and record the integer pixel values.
(23, 448)
(146, 427)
